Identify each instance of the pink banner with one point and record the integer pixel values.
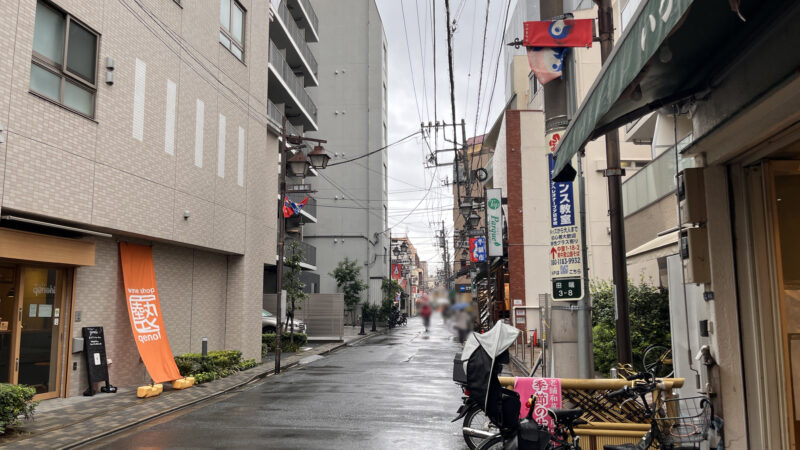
(548, 396)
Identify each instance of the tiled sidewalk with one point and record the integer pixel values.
(67, 423)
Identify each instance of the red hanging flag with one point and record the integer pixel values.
(558, 33)
(287, 208)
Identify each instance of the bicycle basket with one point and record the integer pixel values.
(684, 420)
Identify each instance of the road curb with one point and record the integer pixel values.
(190, 403)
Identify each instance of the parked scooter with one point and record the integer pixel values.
(481, 361)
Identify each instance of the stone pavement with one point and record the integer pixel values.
(69, 422)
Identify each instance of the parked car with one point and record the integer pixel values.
(269, 323)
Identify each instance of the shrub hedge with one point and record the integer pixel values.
(268, 342)
(217, 364)
(15, 401)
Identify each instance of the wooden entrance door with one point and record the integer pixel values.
(32, 327)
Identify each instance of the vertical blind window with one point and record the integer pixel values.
(231, 21)
(67, 78)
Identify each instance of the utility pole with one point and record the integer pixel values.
(445, 257)
(577, 314)
(281, 247)
(614, 173)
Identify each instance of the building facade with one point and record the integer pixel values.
(730, 130)
(520, 168)
(352, 205)
(293, 74)
(141, 123)
(470, 190)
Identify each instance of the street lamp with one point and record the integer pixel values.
(404, 247)
(299, 164)
(465, 209)
(319, 159)
(473, 220)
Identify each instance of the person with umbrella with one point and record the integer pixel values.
(462, 321)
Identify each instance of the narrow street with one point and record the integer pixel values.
(390, 391)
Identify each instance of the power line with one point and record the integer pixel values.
(497, 66)
(410, 64)
(375, 151)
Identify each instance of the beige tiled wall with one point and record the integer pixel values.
(60, 166)
(192, 287)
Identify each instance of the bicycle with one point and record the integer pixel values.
(530, 434)
(657, 359)
(674, 423)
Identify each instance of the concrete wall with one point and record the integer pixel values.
(352, 115)
(643, 226)
(96, 173)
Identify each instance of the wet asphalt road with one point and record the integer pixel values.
(393, 391)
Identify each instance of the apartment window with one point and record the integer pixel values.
(63, 66)
(231, 22)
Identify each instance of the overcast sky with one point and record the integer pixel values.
(411, 101)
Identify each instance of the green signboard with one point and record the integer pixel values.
(494, 222)
(567, 289)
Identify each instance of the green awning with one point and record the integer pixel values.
(672, 50)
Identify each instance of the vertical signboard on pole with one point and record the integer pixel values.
(566, 254)
(494, 222)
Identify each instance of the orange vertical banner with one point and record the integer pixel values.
(144, 311)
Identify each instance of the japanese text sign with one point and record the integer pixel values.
(566, 248)
(477, 249)
(548, 396)
(144, 311)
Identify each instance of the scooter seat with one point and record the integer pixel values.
(565, 415)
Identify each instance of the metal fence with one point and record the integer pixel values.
(322, 314)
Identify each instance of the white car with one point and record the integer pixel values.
(269, 323)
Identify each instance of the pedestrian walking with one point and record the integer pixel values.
(425, 311)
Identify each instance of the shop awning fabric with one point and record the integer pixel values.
(672, 50)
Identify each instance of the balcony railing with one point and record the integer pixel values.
(312, 16)
(274, 113)
(297, 35)
(295, 87)
(655, 181)
(276, 116)
(309, 251)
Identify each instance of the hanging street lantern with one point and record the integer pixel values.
(319, 159)
(465, 209)
(473, 220)
(298, 164)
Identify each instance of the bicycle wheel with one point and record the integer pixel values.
(476, 419)
(493, 443)
(657, 359)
